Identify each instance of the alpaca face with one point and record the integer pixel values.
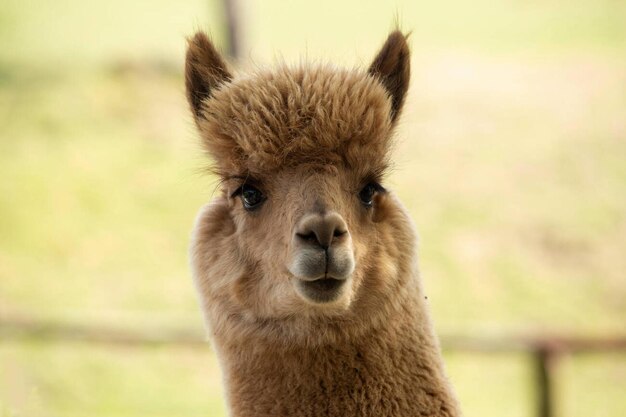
(307, 231)
(302, 225)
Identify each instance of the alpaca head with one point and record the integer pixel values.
(303, 226)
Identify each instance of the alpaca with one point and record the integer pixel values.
(305, 264)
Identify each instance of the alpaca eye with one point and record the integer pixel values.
(366, 195)
(251, 197)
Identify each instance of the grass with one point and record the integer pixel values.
(123, 382)
(510, 159)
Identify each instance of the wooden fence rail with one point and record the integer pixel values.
(544, 350)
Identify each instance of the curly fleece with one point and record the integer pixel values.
(285, 116)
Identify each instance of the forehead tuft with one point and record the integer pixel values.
(289, 116)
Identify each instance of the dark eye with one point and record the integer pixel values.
(251, 197)
(366, 195)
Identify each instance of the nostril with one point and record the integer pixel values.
(339, 232)
(308, 237)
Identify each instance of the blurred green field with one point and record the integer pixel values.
(511, 158)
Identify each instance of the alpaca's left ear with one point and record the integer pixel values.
(392, 66)
(205, 70)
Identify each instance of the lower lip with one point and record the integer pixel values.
(325, 284)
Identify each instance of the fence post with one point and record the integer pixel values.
(233, 29)
(543, 357)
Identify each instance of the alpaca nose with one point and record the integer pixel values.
(321, 230)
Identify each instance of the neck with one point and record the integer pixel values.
(392, 370)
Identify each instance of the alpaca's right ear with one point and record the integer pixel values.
(205, 69)
(392, 67)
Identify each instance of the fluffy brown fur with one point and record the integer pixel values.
(311, 139)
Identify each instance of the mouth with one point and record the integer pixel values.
(325, 284)
(323, 290)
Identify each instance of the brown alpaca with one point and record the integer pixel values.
(305, 264)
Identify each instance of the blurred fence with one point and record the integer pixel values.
(544, 349)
